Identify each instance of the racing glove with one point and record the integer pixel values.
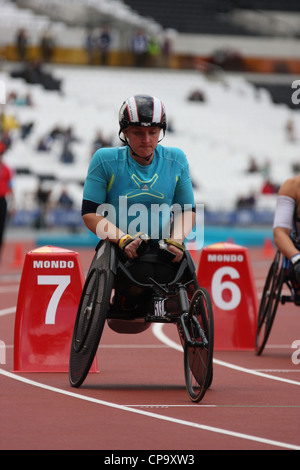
(180, 246)
(126, 239)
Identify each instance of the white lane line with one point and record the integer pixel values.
(200, 405)
(279, 371)
(7, 311)
(7, 289)
(148, 414)
(160, 335)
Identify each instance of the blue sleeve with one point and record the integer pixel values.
(95, 186)
(184, 193)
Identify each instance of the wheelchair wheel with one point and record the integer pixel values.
(89, 324)
(269, 303)
(198, 352)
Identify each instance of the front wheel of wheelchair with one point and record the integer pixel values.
(269, 303)
(89, 324)
(198, 348)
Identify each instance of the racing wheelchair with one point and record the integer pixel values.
(279, 277)
(131, 295)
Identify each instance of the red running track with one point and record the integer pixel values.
(138, 400)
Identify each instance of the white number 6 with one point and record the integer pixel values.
(62, 283)
(218, 287)
(296, 354)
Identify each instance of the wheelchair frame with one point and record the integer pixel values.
(278, 276)
(193, 316)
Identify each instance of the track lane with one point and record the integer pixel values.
(238, 412)
(156, 416)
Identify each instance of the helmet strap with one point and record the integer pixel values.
(164, 131)
(147, 158)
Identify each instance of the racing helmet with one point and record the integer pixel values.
(142, 110)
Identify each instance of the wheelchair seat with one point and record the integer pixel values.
(134, 286)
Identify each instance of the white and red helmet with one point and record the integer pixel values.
(142, 110)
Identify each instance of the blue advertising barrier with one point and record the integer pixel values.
(235, 226)
(213, 234)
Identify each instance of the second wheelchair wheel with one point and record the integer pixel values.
(89, 324)
(198, 349)
(269, 303)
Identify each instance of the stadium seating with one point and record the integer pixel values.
(220, 135)
(233, 123)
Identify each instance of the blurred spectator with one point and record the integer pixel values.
(154, 51)
(228, 59)
(253, 166)
(140, 48)
(91, 46)
(296, 167)
(65, 136)
(290, 130)
(6, 138)
(21, 44)
(42, 199)
(44, 144)
(104, 43)
(26, 130)
(56, 132)
(269, 187)
(14, 99)
(64, 200)
(170, 126)
(9, 123)
(99, 142)
(33, 73)
(6, 193)
(47, 45)
(166, 51)
(197, 95)
(247, 202)
(266, 169)
(67, 155)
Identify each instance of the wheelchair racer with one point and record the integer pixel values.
(142, 172)
(286, 228)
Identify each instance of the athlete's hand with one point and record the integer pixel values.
(176, 248)
(177, 252)
(130, 245)
(131, 249)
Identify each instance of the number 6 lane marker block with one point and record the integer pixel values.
(50, 289)
(225, 271)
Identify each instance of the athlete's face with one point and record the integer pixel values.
(143, 141)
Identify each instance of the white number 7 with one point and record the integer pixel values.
(62, 283)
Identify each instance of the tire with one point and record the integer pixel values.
(198, 357)
(269, 303)
(89, 324)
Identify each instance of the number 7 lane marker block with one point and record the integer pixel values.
(50, 289)
(225, 271)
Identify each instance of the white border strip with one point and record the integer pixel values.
(151, 415)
